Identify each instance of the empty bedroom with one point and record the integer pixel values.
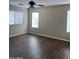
(39, 29)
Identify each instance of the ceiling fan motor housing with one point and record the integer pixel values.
(32, 3)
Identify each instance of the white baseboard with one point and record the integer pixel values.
(51, 37)
(41, 35)
(16, 34)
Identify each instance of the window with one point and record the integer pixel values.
(15, 17)
(68, 21)
(35, 20)
(11, 17)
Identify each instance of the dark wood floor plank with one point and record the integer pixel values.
(31, 46)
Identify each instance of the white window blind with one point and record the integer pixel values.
(35, 20)
(15, 17)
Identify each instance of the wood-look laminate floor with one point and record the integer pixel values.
(31, 46)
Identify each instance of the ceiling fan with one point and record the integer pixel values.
(33, 4)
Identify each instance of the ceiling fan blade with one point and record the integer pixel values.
(31, 6)
(41, 5)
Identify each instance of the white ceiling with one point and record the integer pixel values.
(43, 2)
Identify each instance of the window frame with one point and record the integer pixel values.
(37, 21)
(68, 22)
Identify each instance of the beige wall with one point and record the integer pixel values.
(22, 28)
(52, 21)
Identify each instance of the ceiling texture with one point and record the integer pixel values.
(24, 3)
